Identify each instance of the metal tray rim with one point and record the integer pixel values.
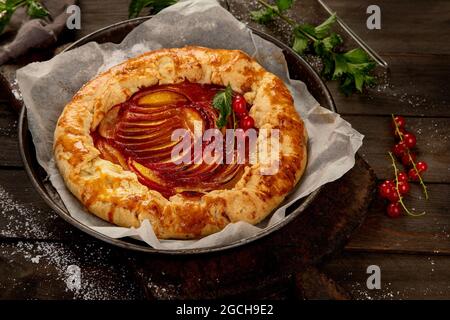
(26, 157)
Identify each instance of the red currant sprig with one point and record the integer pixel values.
(402, 150)
(394, 192)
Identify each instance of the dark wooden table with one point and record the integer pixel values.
(37, 247)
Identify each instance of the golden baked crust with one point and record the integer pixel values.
(116, 195)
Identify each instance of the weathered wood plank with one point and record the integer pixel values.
(433, 143)
(24, 215)
(426, 234)
(405, 25)
(94, 16)
(44, 270)
(8, 137)
(415, 85)
(402, 276)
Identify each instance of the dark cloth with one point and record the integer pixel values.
(23, 33)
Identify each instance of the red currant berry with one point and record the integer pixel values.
(421, 166)
(400, 121)
(403, 187)
(399, 149)
(247, 122)
(406, 160)
(402, 131)
(402, 177)
(239, 105)
(394, 210)
(393, 195)
(389, 183)
(384, 190)
(412, 174)
(409, 139)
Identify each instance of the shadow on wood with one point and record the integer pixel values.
(275, 266)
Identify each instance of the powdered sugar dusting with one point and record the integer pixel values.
(360, 292)
(20, 220)
(94, 277)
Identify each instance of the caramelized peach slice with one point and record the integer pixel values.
(145, 172)
(159, 98)
(111, 154)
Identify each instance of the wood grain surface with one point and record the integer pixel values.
(413, 253)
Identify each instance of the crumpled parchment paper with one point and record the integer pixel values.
(47, 87)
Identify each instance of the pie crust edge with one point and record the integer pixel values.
(116, 195)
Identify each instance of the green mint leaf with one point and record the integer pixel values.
(323, 29)
(283, 5)
(36, 10)
(263, 16)
(340, 66)
(158, 5)
(136, 6)
(328, 66)
(352, 70)
(327, 58)
(10, 4)
(300, 43)
(346, 86)
(222, 102)
(332, 41)
(305, 28)
(357, 55)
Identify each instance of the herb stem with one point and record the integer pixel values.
(18, 4)
(286, 19)
(282, 16)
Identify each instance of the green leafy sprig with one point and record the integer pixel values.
(7, 8)
(269, 12)
(136, 6)
(223, 103)
(352, 68)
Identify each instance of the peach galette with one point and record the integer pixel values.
(157, 137)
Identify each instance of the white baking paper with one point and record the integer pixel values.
(46, 87)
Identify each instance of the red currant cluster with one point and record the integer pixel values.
(240, 109)
(394, 190)
(407, 141)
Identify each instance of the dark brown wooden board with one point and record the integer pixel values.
(403, 276)
(407, 26)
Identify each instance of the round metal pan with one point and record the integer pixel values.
(298, 68)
